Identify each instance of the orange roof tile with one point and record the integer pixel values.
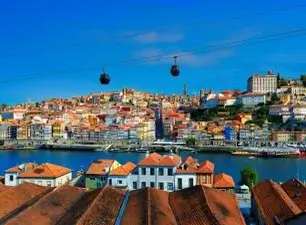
(105, 208)
(16, 197)
(206, 167)
(21, 168)
(223, 181)
(98, 167)
(49, 208)
(296, 190)
(155, 159)
(207, 206)
(77, 211)
(148, 206)
(123, 170)
(273, 201)
(46, 170)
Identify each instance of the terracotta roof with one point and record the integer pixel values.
(223, 181)
(296, 190)
(155, 159)
(77, 211)
(105, 208)
(98, 167)
(273, 201)
(207, 206)
(50, 208)
(14, 198)
(21, 168)
(3, 187)
(123, 170)
(206, 167)
(46, 170)
(148, 206)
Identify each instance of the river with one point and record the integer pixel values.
(277, 169)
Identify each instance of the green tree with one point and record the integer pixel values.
(191, 140)
(303, 79)
(249, 176)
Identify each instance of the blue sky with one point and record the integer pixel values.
(58, 48)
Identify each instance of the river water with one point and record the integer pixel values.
(277, 169)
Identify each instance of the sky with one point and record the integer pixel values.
(56, 48)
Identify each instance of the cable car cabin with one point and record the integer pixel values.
(104, 79)
(175, 70)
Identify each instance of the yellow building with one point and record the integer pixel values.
(56, 130)
(0, 118)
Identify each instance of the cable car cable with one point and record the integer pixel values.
(205, 49)
(168, 28)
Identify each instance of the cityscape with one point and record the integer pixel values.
(153, 113)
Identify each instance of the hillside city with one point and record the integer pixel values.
(273, 108)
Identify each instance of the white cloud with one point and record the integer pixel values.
(157, 56)
(154, 37)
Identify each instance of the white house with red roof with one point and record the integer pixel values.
(46, 174)
(155, 171)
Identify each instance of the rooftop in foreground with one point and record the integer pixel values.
(28, 202)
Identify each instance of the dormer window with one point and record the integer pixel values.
(185, 166)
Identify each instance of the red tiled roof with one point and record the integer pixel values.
(98, 167)
(207, 206)
(296, 190)
(21, 168)
(77, 211)
(14, 198)
(123, 170)
(105, 208)
(148, 206)
(50, 208)
(155, 159)
(223, 181)
(206, 167)
(46, 170)
(3, 187)
(273, 201)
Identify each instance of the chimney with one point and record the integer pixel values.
(107, 169)
(147, 154)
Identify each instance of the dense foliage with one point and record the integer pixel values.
(249, 177)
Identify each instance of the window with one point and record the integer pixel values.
(161, 171)
(179, 183)
(49, 183)
(92, 178)
(170, 186)
(190, 182)
(110, 182)
(11, 178)
(143, 171)
(119, 181)
(170, 172)
(134, 185)
(161, 186)
(152, 171)
(143, 184)
(152, 184)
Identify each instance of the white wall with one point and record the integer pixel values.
(185, 180)
(119, 181)
(156, 179)
(7, 181)
(48, 182)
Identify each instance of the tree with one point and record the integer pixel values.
(303, 79)
(249, 177)
(191, 140)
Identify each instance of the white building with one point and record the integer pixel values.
(262, 84)
(11, 175)
(46, 174)
(120, 177)
(155, 171)
(252, 98)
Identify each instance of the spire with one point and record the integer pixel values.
(185, 89)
